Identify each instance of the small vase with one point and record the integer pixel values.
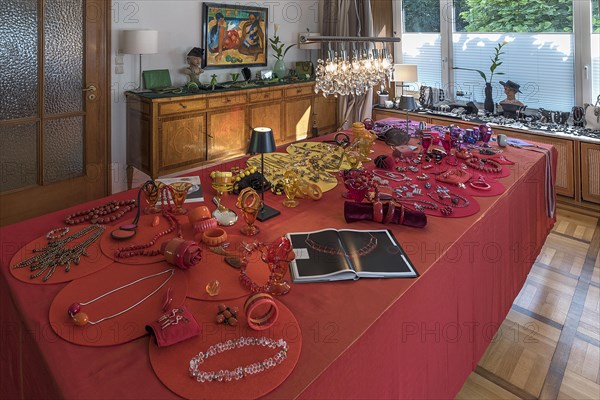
(488, 104)
(279, 69)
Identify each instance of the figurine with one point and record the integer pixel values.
(511, 89)
(194, 59)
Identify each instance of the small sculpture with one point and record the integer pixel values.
(511, 89)
(194, 59)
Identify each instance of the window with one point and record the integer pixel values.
(421, 40)
(540, 55)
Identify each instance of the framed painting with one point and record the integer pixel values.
(234, 35)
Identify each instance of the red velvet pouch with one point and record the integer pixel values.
(173, 327)
(401, 215)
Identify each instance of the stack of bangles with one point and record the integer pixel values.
(260, 317)
(480, 184)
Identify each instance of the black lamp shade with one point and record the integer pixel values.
(261, 141)
(407, 103)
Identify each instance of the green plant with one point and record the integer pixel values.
(495, 64)
(277, 45)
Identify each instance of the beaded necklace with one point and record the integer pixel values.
(98, 215)
(142, 249)
(56, 254)
(239, 372)
(455, 200)
(81, 318)
(484, 164)
(363, 251)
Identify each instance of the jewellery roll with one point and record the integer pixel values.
(260, 320)
(182, 253)
(401, 215)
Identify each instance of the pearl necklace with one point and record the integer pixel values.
(81, 319)
(239, 372)
(56, 253)
(97, 215)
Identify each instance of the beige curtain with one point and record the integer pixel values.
(349, 18)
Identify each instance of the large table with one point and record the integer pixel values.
(372, 338)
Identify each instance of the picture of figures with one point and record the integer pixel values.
(234, 35)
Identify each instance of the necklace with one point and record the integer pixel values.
(98, 215)
(397, 177)
(81, 318)
(363, 251)
(56, 254)
(455, 199)
(142, 249)
(484, 164)
(418, 204)
(239, 372)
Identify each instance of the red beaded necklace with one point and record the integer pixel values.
(142, 249)
(98, 215)
(484, 164)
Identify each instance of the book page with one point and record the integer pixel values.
(376, 253)
(318, 254)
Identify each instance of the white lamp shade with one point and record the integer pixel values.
(405, 73)
(308, 46)
(140, 42)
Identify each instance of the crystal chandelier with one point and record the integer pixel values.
(343, 74)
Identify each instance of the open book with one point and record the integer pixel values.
(334, 255)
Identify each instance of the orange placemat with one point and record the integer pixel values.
(213, 267)
(144, 233)
(93, 262)
(125, 327)
(171, 364)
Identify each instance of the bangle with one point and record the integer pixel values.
(390, 212)
(57, 233)
(480, 184)
(204, 225)
(378, 212)
(258, 320)
(214, 237)
(198, 214)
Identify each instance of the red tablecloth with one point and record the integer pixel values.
(396, 338)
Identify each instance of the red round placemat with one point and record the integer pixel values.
(144, 234)
(213, 267)
(93, 262)
(125, 327)
(171, 364)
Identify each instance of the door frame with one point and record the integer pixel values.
(14, 205)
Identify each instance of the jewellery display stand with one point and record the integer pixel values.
(127, 326)
(93, 262)
(171, 363)
(144, 233)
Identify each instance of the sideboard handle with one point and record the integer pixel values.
(209, 135)
(298, 90)
(183, 105)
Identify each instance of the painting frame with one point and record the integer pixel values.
(240, 41)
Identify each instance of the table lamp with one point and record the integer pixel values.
(140, 42)
(262, 141)
(406, 73)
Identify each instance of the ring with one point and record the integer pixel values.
(57, 233)
(260, 321)
(214, 237)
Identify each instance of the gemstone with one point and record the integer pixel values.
(80, 319)
(74, 309)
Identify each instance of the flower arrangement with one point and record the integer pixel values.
(277, 45)
(495, 64)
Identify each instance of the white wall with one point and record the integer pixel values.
(179, 24)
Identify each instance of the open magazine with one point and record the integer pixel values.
(194, 192)
(346, 254)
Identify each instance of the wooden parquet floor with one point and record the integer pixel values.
(548, 347)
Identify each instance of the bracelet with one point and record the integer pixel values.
(390, 213)
(214, 237)
(205, 225)
(378, 211)
(480, 184)
(198, 214)
(263, 320)
(57, 233)
(239, 372)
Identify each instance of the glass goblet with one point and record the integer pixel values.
(249, 203)
(278, 256)
(426, 142)
(151, 191)
(180, 191)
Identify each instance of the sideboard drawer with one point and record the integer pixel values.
(299, 91)
(181, 106)
(226, 100)
(265, 96)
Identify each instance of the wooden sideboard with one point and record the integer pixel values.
(577, 173)
(171, 134)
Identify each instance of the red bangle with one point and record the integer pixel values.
(204, 225)
(260, 321)
(390, 212)
(198, 214)
(378, 211)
